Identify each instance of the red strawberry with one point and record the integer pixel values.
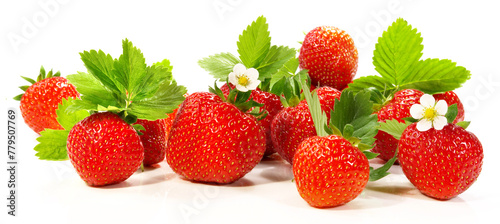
(214, 141)
(441, 164)
(330, 56)
(292, 125)
(154, 141)
(104, 149)
(329, 171)
(41, 99)
(399, 108)
(272, 105)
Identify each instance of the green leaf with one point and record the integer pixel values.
(29, 80)
(436, 76)
(167, 98)
(318, 116)
(379, 173)
(355, 109)
(52, 145)
(369, 154)
(365, 82)
(94, 93)
(463, 124)
(452, 113)
(100, 65)
(165, 63)
(219, 65)
(274, 60)
(18, 97)
(68, 120)
(130, 68)
(156, 75)
(393, 127)
(254, 43)
(396, 52)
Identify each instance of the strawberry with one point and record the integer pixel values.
(214, 141)
(329, 171)
(292, 125)
(272, 105)
(399, 108)
(440, 163)
(104, 149)
(154, 140)
(330, 56)
(39, 102)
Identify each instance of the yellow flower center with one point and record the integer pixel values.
(243, 80)
(430, 113)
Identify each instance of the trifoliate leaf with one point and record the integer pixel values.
(219, 65)
(393, 127)
(52, 145)
(68, 120)
(254, 43)
(94, 93)
(156, 75)
(399, 48)
(435, 76)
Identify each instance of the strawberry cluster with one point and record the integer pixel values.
(123, 114)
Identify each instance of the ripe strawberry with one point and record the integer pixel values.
(214, 141)
(272, 105)
(104, 149)
(154, 140)
(39, 102)
(329, 171)
(441, 164)
(399, 108)
(292, 125)
(330, 56)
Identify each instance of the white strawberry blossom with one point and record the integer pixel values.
(429, 113)
(244, 79)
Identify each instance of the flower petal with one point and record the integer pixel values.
(239, 69)
(441, 107)
(417, 111)
(253, 85)
(233, 79)
(252, 74)
(424, 125)
(439, 122)
(427, 101)
(241, 88)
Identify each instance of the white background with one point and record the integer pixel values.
(52, 33)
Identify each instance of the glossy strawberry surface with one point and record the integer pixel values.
(40, 101)
(441, 164)
(330, 56)
(154, 140)
(213, 141)
(272, 105)
(292, 125)
(329, 171)
(104, 149)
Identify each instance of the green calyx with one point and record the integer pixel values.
(242, 100)
(397, 59)
(41, 76)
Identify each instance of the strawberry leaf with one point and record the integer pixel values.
(435, 76)
(93, 93)
(452, 113)
(393, 127)
(318, 116)
(355, 110)
(219, 65)
(100, 66)
(130, 69)
(52, 145)
(379, 173)
(274, 60)
(68, 120)
(399, 48)
(254, 43)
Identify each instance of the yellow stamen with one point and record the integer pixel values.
(243, 80)
(430, 113)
